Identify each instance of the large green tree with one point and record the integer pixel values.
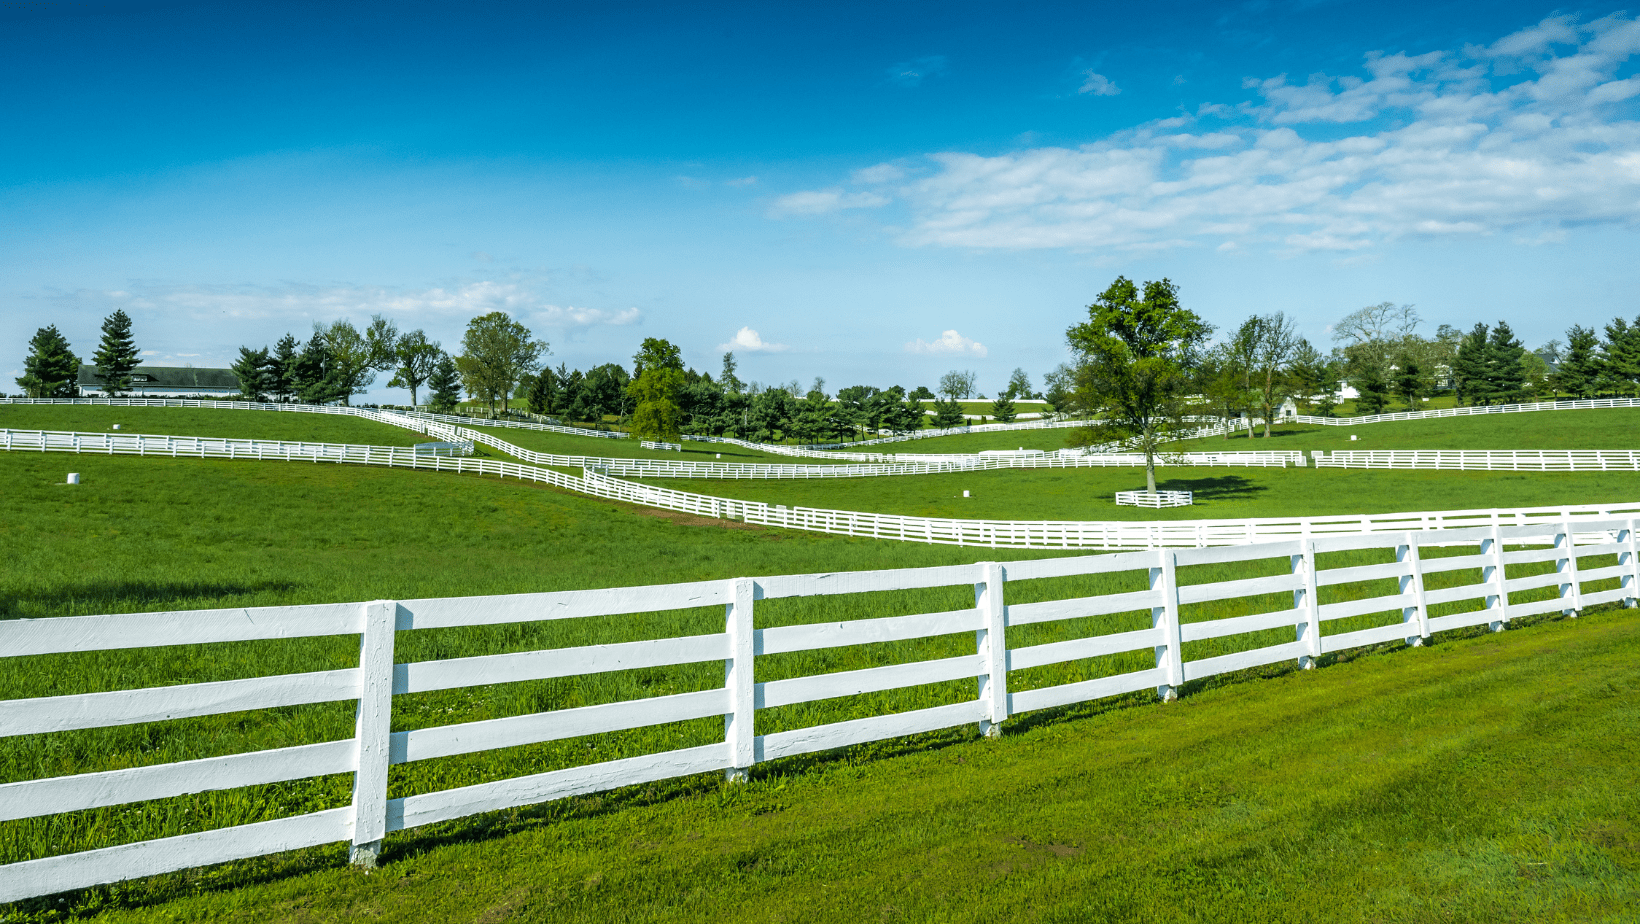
(116, 355)
(1135, 356)
(356, 356)
(496, 354)
(1469, 368)
(51, 370)
(414, 358)
(657, 386)
(1275, 340)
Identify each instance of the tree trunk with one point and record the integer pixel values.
(1150, 471)
(1268, 413)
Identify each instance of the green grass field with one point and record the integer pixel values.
(568, 444)
(1223, 492)
(1609, 428)
(1484, 779)
(176, 421)
(149, 534)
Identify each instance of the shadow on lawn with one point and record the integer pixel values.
(1220, 488)
(131, 596)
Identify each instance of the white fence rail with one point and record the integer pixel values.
(1504, 460)
(1411, 613)
(1028, 534)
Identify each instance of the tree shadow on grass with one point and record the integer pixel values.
(1219, 488)
(129, 595)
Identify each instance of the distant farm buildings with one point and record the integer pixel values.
(149, 381)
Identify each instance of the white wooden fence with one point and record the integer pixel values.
(1029, 534)
(1505, 460)
(1415, 611)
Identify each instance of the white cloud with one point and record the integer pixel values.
(308, 302)
(825, 201)
(1532, 133)
(882, 173)
(1098, 85)
(948, 342)
(742, 181)
(749, 341)
(912, 73)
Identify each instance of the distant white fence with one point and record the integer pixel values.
(1154, 499)
(1412, 613)
(1031, 534)
(1496, 460)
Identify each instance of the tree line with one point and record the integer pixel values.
(1146, 370)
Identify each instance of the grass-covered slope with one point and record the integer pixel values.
(1488, 779)
(176, 421)
(1226, 492)
(1606, 428)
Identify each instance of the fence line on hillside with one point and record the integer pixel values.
(1027, 534)
(289, 450)
(1412, 613)
(1491, 460)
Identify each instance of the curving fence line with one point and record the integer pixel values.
(1029, 534)
(1487, 460)
(1293, 617)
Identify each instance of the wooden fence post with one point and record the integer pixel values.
(992, 644)
(372, 729)
(1496, 574)
(1631, 557)
(739, 722)
(1309, 630)
(1413, 580)
(1165, 619)
(1567, 569)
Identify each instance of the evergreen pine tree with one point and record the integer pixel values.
(1505, 379)
(51, 369)
(1409, 382)
(1372, 389)
(1622, 365)
(252, 370)
(1580, 367)
(445, 385)
(1469, 368)
(283, 361)
(116, 355)
(947, 414)
(1003, 409)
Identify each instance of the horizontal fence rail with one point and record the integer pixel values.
(1509, 571)
(1489, 460)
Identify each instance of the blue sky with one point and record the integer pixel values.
(871, 193)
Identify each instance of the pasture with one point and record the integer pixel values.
(1069, 811)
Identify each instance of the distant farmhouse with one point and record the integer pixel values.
(167, 380)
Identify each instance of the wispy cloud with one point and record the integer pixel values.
(297, 302)
(749, 341)
(1097, 85)
(913, 73)
(1529, 133)
(881, 173)
(825, 201)
(948, 343)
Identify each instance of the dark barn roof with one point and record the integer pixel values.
(168, 378)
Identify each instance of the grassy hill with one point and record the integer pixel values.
(1480, 779)
(1485, 779)
(1223, 492)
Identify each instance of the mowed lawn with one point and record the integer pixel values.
(1492, 778)
(1220, 492)
(693, 451)
(176, 421)
(1605, 428)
